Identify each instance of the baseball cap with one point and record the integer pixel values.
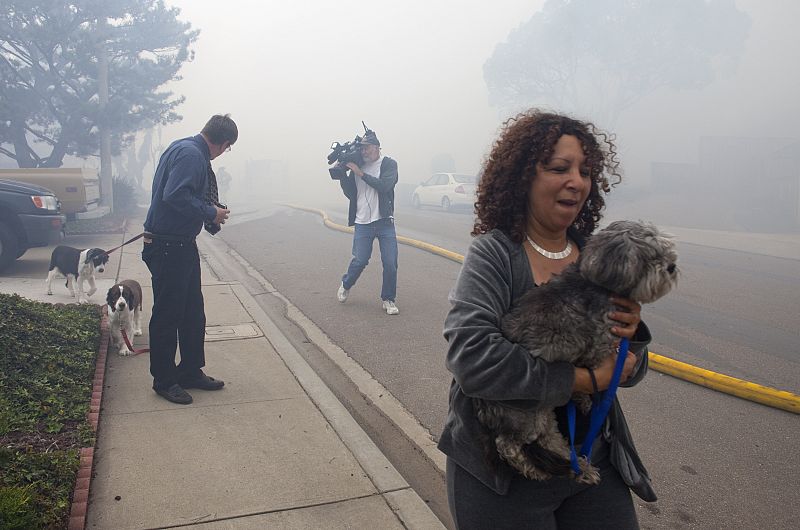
(370, 138)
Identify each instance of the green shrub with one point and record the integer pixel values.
(47, 359)
(47, 480)
(15, 508)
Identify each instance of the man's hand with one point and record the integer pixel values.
(355, 169)
(222, 214)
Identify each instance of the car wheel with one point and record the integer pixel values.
(445, 203)
(415, 201)
(9, 247)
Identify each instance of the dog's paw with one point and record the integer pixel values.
(91, 291)
(584, 403)
(83, 300)
(589, 473)
(137, 333)
(124, 352)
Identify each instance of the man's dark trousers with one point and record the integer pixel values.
(178, 312)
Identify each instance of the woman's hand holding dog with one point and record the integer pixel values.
(602, 374)
(628, 317)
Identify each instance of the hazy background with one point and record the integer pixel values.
(297, 76)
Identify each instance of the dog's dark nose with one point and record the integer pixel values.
(671, 268)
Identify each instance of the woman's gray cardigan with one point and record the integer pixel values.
(485, 365)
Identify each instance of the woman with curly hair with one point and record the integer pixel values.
(539, 198)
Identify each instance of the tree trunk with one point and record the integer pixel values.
(22, 152)
(106, 184)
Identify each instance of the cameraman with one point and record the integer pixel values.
(370, 189)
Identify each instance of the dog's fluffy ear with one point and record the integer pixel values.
(112, 296)
(603, 261)
(97, 256)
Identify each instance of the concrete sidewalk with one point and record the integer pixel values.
(273, 449)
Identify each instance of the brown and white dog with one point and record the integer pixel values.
(124, 307)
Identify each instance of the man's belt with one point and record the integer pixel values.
(166, 237)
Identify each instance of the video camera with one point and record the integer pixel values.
(345, 153)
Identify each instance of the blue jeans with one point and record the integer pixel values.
(363, 237)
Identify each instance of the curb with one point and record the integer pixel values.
(406, 504)
(779, 399)
(772, 397)
(80, 496)
(367, 385)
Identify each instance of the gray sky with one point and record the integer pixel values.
(297, 76)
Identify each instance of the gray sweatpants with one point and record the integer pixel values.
(558, 503)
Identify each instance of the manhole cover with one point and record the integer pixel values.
(238, 331)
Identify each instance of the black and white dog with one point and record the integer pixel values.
(77, 266)
(124, 305)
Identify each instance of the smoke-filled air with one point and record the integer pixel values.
(701, 95)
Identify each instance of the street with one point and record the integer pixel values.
(717, 461)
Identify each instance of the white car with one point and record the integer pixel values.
(446, 190)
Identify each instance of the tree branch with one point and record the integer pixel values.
(8, 153)
(40, 136)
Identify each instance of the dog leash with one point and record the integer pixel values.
(599, 412)
(131, 240)
(130, 346)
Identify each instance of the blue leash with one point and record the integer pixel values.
(599, 412)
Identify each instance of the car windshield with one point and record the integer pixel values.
(465, 179)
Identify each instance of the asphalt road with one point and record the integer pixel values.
(717, 461)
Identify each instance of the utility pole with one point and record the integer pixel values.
(106, 183)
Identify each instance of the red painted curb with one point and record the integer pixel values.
(80, 496)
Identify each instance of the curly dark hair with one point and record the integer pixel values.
(526, 140)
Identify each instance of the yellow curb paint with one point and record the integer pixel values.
(765, 395)
(730, 385)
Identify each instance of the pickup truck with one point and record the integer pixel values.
(30, 216)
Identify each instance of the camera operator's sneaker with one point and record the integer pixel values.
(342, 293)
(390, 307)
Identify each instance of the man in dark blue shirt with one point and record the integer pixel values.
(179, 208)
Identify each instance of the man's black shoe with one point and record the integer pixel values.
(202, 381)
(174, 393)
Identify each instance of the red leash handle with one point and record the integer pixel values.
(130, 346)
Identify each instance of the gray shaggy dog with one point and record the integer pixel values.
(566, 319)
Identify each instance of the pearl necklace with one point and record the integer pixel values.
(550, 255)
